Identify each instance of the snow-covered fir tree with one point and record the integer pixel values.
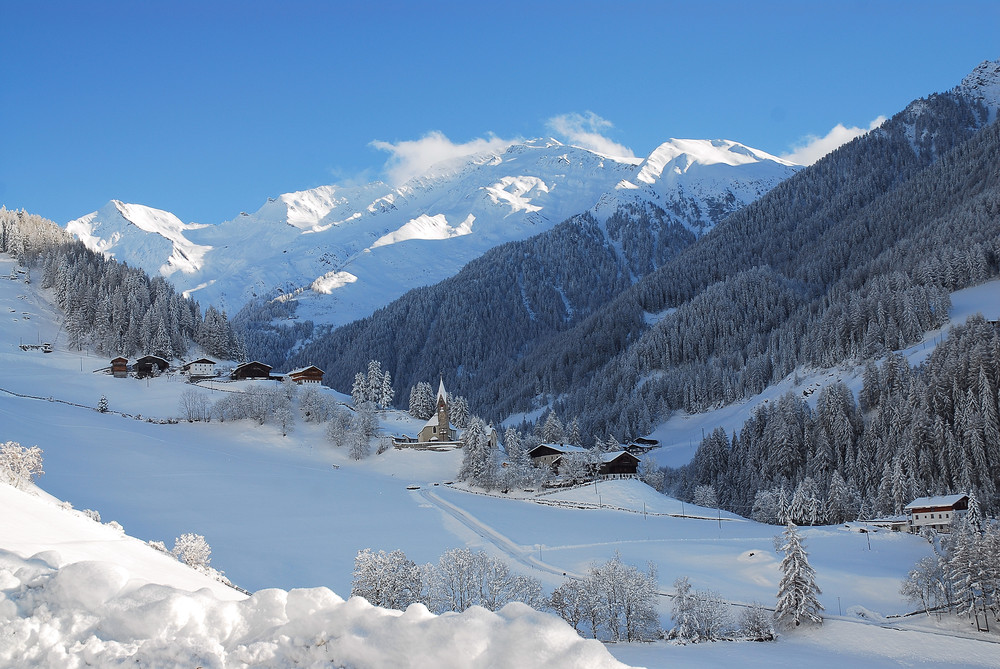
(798, 601)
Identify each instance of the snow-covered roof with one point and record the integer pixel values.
(939, 500)
(614, 455)
(562, 448)
(303, 370)
(442, 393)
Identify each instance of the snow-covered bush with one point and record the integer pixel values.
(462, 579)
(699, 615)
(704, 495)
(756, 623)
(194, 406)
(159, 546)
(20, 465)
(93, 515)
(102, 404)
(574, 602)
(389, 580)
(192, 550)
(619, 601)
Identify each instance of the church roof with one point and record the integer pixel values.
(442, 393)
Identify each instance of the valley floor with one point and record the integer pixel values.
(292, 512)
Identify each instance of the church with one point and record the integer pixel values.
(438, 428)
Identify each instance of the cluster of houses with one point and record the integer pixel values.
(203, 368)
(438, 434)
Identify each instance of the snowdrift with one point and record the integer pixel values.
(60, 609)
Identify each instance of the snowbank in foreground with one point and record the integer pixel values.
(85, 614)
(89, 595)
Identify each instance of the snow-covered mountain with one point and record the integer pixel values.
(343, 252)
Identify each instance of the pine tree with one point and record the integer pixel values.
(797, 590)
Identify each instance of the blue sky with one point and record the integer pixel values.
(207, 108)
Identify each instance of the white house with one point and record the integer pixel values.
(200, 367)
(937, 513)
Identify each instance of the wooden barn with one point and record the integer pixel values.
(149, 365)
(251, 370)
(119, 367)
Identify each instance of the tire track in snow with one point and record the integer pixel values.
(521, 554)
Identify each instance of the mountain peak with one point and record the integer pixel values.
(682, 154)
(983, 85)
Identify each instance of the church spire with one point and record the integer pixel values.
(442, 396)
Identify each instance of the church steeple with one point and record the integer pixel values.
(442, 396)
(444, 422)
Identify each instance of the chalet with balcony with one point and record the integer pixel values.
(936, 513)
(310, 374)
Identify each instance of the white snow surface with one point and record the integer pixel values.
(285, 517)
(394, 239)
(102, 598)
(154, 238)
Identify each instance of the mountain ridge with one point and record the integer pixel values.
(341, 252)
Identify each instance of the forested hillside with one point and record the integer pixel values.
(849, 258)
(620, 324)
(475, 325)
(911, 432)
(109, 306)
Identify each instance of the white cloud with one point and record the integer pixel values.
(585, 130)
(414, 157)
(813, 148)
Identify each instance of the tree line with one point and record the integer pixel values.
(107, 305)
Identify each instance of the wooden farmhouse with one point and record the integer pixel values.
(548, 455)
(937, 513)
(615, 464)
(119, 367)
(641, 446)
(251, 370)
(200, 367)
(619, 465)
(149, 365)
(310, 374)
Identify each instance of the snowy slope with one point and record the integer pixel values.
(155, 238)
(342, 252)
(279, 514)
(76, 593)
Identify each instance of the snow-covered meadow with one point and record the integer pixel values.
(290, 513)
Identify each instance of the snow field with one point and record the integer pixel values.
(104, 599)
(292, 512)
